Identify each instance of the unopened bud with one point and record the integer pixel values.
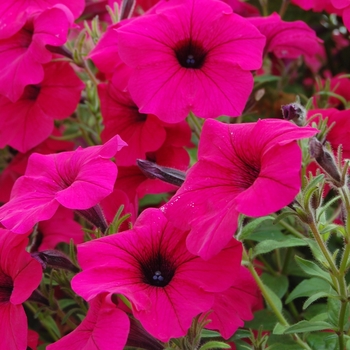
(55, 259)
(155, 171)
(325, 160)
(95, 216)
(295, 112)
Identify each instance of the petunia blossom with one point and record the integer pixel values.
(17, 163)
(287, 39)
(340, 132)
(317, 5)
(143, 133)
(250, 168)
(30, 120)
(203, 66)
(20, 275)
(105, 327)
(14, 13)
(23, 54)
(343, 6)
(60, 228)
(76, 180)
(166, 284)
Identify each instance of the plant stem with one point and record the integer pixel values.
(41, 318)
(194, 123)
(290, 228)
(324, 249)
(270, 302)
(284, 7)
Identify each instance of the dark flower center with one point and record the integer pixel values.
(6, 287)
(31, 92)
(190, 53)
(247, 168)
(157, 271)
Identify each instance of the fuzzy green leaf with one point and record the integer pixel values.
(312, 269)
(307, 288)
(269, 245)
(249, 229)
(278, 284)
(214, 345)
(308, 326)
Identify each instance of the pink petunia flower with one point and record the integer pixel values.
(203, 66)
(14, 13)
(287, 39)
(340, 132)
(104, 327)
(30, 120)
(76, 180)
(17, 165)
(143, 133)
(251, 168)
(20, 275)
(60, 228)
(150, 265)
(317, 5)
(343, 6)
(23, 54)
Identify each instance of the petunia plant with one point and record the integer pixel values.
(174, 174)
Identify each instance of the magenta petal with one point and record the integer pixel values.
(104, 326)
(165, 78)
(13, 327)
(89, 187)
(268, 193)
(217, 93)
(27, 280)
(234, 306)
(170, 316)
(150, 265)
(21, 213)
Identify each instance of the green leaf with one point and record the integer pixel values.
(269, 230)
(279, 342)
(315, 297)
(249, 229)
(316, 251)
(214, 345)
(279, 329)
(312, 269)
(308, 326)
(323, 316)
(269, 245)
(63, 303)
(207, 333)
(274, 298)
(278, 284)
(241, 333)
(262, 318)
(260, 79)
(314, 310)
(323, 341)
(333, 308)
(308, 288)
(50, 323)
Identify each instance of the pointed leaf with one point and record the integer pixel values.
(215, 345)
(312, 269)
(269, 245)
(308, 288)
(249, 229)
(308, 326)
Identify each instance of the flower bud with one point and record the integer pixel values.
(295, 112)
(155, 171)
(325, 160)
(55, 259)
(95, 216)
